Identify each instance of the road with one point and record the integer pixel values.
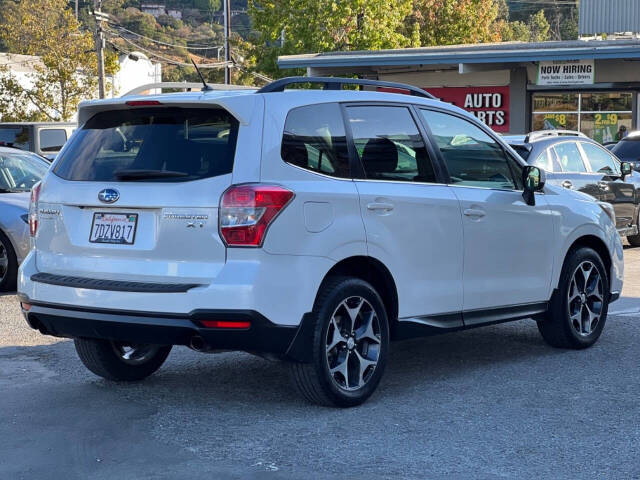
(494, 402)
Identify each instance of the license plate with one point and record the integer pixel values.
(117, 228)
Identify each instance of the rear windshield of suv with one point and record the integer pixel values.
(628, 148)
(151, 144)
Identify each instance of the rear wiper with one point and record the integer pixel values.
(142, 174)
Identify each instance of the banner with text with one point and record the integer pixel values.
(489, 104)
(566, 72)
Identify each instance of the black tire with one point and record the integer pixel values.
(105, 359)
(557, 327)
(314, 380)
(8, 274)
(634, 240)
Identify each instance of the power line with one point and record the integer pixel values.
(169, 60)
(119, 27)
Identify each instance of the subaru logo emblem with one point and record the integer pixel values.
(108, 195)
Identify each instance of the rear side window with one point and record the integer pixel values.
(389, 144)
(314, 139)
(569, 157)
(151, 144)
(52, 139)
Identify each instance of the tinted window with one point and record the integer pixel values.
(628, 148)
(523, 151)
(569, 157)
(543, 161)
(472, 157)
(20, 171)
(601, 161)
(174, 144)
(389, 144)
(314, 139)
(52, 140)
(17, 137)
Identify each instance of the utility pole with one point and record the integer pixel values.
(100, 17)
(227, 34)
(77, 9)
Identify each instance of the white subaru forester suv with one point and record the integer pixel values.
(310, 226)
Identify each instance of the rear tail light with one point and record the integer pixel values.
(246, 211)
(33, 209)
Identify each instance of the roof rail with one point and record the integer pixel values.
(336, 83)
(183, 86)
(552, 133)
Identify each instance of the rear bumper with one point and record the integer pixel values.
(262, 336)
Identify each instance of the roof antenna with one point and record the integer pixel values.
(206, 87)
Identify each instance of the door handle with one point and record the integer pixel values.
(474, 213)
(567, 184)
(385, 207)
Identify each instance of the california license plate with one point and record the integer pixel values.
(117, 228)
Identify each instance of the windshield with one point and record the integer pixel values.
(151, 144)
(20, 171)
(628, 148)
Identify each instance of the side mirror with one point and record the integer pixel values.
(625, 169)
(533, 180)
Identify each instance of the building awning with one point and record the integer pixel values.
(498, 54)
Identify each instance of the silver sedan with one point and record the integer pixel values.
(19, 171)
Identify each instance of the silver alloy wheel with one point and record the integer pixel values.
(353, 343)
(134, 354)
(4, 261)
(585, 298)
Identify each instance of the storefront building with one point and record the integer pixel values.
(591, 86)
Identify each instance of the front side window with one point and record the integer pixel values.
(52, 139)
(165, 144)
(569, 157)
(314, 139)
(600, 160)
(472, 157)
(389, 144)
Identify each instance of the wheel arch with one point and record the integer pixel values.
(374, 272)
(596, 243)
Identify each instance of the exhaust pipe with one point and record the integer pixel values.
(197, 343)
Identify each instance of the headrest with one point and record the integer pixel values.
(380, 155)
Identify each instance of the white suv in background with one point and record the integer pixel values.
(311, 226)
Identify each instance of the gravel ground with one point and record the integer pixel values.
(495, 402)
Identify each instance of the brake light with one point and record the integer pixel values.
(142, 103)
(33, 209)
(246, 211)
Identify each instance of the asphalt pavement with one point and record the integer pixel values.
(494, 402)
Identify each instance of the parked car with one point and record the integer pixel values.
(628, 150)
(311, 226)
(19, 171)
(44, 138)
(574, 161)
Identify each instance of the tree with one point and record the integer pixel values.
(66, 72)
(449, 22)
(320, 26)
(539, 27)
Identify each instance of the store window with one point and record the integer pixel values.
(603, 116)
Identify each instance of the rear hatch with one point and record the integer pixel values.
(134, 196)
